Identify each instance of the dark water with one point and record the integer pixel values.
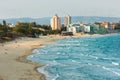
(91, 58)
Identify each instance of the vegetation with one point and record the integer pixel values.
(34, 30)
(46, 27)
(24, 29)
(100, 30)
(117, 26)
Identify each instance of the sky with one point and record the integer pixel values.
(48, 8)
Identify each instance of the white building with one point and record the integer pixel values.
(11, 25)
(86, 29)
(73, 28)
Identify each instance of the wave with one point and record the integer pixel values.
(35, 51)
(94, 57)
(67, 45)
(75, 61)
(109, 69)
(57, 76)
(115, 63)
(110, 58)
(48, 75)
(72, 41)
(90, 64)
(80, 57)
(31, 56)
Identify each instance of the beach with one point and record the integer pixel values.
(13, 63)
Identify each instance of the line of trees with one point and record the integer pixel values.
(25, 29)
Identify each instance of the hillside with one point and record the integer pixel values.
(46, 20)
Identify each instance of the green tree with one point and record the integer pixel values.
(117, 26)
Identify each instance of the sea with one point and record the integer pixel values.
(86, 58)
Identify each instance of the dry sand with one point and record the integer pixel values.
(13, 63)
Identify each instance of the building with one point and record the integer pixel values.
(114, 25)
(56, 23)
(71, 29)
(105, 24)
(11, 25)
(86, 29)
(67, 20)
(74, 28)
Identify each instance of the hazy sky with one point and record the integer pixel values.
(47, 8)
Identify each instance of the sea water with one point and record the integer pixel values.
(88, 58)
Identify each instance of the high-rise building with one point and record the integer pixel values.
(67, 20)
(56, 23)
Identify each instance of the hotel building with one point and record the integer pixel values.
(67, 20)
(56, 23)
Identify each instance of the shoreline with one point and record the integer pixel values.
(14, 65)
(23, 68)
(63, 37)
(25, 60)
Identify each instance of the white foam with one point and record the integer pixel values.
(48, 75)
(67, 44)
(109, 58)
(56, 77)
(82, 54)
(31, 56)
(89, 64)
(115, 63)
(108, 69)
(72, 41)
(94, 57)
(58, 53)
(54, 62)
(75, 61)
(35, 51)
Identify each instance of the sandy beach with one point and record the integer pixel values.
(13, 63)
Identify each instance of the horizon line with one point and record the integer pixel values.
(60, 16)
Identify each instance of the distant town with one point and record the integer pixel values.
(9, 31)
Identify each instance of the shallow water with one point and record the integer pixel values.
(90, 58)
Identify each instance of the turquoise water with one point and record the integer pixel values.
(90, 58)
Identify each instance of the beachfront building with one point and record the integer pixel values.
(105, 24)
(74, 28)
(86, 28)
(11, 25)
(71, 29)
(67, 20)
(56, 23)
(113, 25)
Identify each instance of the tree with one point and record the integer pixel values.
(46, 27)
(102, 30)
(4, 22)
(63, 28)
(117, 26)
